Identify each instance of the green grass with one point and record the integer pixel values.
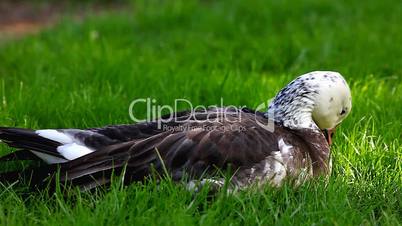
(85, 74)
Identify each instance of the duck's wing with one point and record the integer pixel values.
(62, 145)
(185, 149)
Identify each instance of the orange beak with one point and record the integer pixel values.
(329, 133)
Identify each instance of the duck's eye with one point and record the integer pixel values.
(343, 112)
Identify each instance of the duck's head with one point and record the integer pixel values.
(318, 100)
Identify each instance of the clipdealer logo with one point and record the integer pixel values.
(164, 115)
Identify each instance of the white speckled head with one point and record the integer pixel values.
(316, 100)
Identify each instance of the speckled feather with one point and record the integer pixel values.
(293, 105)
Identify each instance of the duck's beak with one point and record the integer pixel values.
(329, 133)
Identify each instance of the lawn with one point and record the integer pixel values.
(85, 74)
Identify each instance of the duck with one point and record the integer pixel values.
(289, 141)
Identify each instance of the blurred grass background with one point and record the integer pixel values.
(85, 72)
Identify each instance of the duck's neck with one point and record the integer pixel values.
(293, 109)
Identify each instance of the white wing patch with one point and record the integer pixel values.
(55, 135)
(73, 151)
(279, 170)
(284, 148)
(70, 149)
(274, 170)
